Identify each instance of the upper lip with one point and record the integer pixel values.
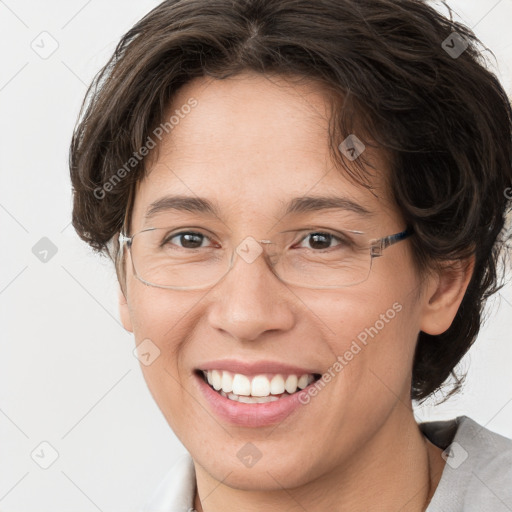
(255, 367)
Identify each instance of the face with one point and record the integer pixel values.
(250, 146)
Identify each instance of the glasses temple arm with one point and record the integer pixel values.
(377, 246)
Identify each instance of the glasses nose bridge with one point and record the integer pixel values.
(249, 249)
(270, 249)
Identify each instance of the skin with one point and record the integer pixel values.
(250, 143)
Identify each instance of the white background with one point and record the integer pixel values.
(68, 375)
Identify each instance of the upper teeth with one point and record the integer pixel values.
(259, 385)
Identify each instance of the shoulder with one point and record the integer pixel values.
(176, 491)
(485, 449)
(490, 453)
(478, 470)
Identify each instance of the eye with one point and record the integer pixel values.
(321, 240)
(187, 239)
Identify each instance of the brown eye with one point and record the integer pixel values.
(187, 240)
(320, 241)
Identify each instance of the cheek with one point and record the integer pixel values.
(164, 316)
(162, 323)
(372, 335)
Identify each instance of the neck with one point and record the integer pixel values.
(398, 469)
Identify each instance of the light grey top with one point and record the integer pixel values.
(477, 476)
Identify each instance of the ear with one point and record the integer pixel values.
(124, 311)
(444, 295)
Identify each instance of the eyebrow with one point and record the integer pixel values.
(181, 204)
(298, 205)
(306, 204)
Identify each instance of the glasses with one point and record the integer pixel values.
(175, 258)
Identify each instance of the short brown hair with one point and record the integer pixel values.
(445, 120)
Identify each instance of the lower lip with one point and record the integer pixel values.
(250, 415)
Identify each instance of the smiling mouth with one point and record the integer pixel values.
(256, 389)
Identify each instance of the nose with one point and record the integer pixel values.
(250, 299)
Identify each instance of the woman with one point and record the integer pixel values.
(305, 202)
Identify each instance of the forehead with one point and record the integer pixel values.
(251, 143)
